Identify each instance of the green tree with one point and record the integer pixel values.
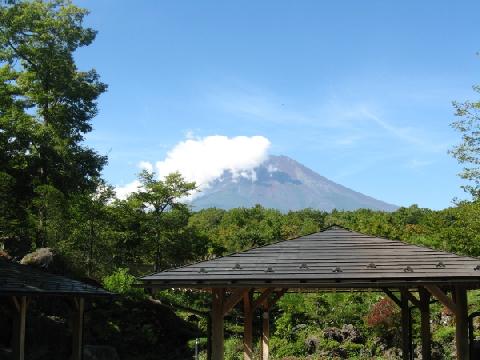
(47, 104)
(158, 197)
(468, 151)
(91, 237)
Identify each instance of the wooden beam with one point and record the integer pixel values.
(18, 336)
(442, 297)
(392, 296)
(405, 322)
(217, 323)
(235, 297)
(412, 298)
(265, 331)
(278, 295)
(461, 323)
(77, 328)
(247, 326)
(261, 299)
(425, 331)
(209, 337)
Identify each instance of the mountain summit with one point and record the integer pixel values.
(284, 184)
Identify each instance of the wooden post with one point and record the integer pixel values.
(247, 326)
(405, 326)
(265, 331)
(217, 323)
(77, 328)
(209, 337)
(461, 323)
(425, 330)
(18, 338)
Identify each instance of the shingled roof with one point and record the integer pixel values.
(334, 258)
(17, 279)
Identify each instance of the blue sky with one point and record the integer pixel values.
(360, 92)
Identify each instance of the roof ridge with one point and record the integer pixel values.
(335, 226)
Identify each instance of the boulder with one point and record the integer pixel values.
(333, 333)
(41, 258)
(350, 333)
(311, 344)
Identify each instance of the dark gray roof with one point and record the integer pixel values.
(334, 258)
(17, 279)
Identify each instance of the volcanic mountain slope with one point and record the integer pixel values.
(284, 184)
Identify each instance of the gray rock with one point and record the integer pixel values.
(100, 352)
(333, 333)
(350, 333)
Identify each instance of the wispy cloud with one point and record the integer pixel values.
(418, 164)
(345, 123)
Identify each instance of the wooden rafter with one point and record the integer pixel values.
(276, 297)
(442, 297)
(235, 297)
(262, 298)
(392, 296)
(412, 298)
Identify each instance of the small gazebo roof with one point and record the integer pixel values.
(333, 258)
(19, 280)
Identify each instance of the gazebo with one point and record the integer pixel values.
(335, 258)
(21, 283)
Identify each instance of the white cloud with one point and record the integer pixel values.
(145, 165)
(122, 192)
(205, 159)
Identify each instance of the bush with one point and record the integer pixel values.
(121, 282)
(444, 335)
(282, 347)
(233, 349)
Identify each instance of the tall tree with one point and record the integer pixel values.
(468, 151)
(158, 197)
(47, 103)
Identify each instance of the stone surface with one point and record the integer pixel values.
(351, 333)
(333, 333)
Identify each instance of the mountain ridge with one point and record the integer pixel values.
(283, 183)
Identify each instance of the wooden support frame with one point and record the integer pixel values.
(405, 321)
(235, 297)
(248, 326)
(442, 297)
(426, 332)
(218, 295)
(77, 328)
(276, 297)
(262, 298)
(266, 304)
(412, 298)
(265, 331)
(461, 323)
(19, 322)
(392, 297)
(459, 307)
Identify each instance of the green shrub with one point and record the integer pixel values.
(121, 282)
(233, 349)
(444, 335)
(282, 347)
